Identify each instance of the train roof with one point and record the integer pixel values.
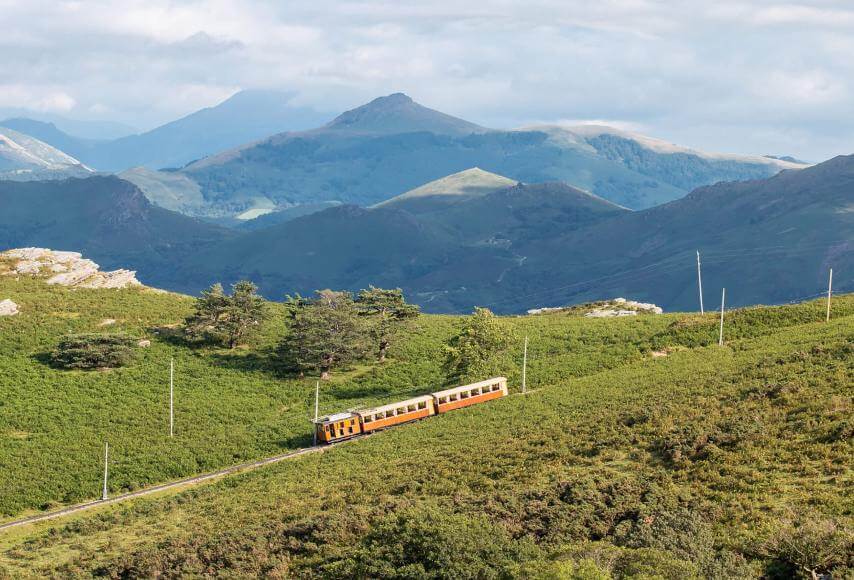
(335, 417)
(454, 390)
(395, 405)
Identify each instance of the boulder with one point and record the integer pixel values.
(8, 308)
(66, 269)
(144, 343)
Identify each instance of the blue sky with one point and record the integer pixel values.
(748, 76)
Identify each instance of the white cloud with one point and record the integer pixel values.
(766, 69)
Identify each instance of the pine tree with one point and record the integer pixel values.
(324, 333)
(387, 311)
(476, 353)
(224, 319)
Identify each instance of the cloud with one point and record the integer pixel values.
(775, 74)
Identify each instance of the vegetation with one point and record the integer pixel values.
(226, 319)
(387, 311)
(708, 462)
(93, 351)
(476, 352)
(324, 333)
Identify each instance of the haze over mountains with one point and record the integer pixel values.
(244, 117)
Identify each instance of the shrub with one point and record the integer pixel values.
(93, 351)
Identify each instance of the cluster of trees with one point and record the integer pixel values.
(335, 328)
(330, 330)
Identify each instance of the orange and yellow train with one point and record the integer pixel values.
(350, 424)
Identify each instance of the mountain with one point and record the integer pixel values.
(454, 188)
(95, 130)
(105, 218)
(520, 247)
(430, 253)
(245, 117)
(767, 241)
(392, 145)
(398, 113)
(49, 133)
(169, 190)
(24, 158)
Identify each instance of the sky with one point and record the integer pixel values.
(740, 76)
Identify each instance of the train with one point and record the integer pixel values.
(340, 426)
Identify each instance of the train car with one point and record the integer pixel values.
(337, 427)
(396, 413)
(466, 395)
(342, 426)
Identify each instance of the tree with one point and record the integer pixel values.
(325, 332)
(244, 312)
(476, 352)
(93, 351)
(226, 319)
(387, 312)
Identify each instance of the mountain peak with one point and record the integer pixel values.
(398, 113)
(466, 184)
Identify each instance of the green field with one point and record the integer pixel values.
(689, 465)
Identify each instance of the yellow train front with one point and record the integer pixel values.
(341, 426)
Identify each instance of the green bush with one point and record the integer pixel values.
(93, 351)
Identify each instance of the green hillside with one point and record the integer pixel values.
(707, 462)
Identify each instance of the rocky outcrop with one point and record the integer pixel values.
(8, 308)
(606, 309)
(65, 269)
(623, 307)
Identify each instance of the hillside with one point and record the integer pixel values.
(105, 218)
(517, 248)
(24, 158)
(392, 145)
(706, 462)
(447, 190)
(431, 254)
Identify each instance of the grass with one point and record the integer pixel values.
(728, 445)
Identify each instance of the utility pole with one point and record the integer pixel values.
(106, 469)
(700, 282)
(316, 408)
(721, 333)
(829, 292)
(525, 367)
(171, 397)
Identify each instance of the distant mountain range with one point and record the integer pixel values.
(243, 118)
(25, 158)
(225, 165)
(469, 239)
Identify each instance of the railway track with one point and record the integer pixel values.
(196, 479)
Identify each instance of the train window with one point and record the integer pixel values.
(475, 392)
(422, 405)
(464, 395)
(443, 400)
(367, 418)
(412, 408)
(401, 411)
(453, 397)
(351, 429)
(495, 387)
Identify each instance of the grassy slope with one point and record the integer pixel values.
(230, 405)
(743, 436)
